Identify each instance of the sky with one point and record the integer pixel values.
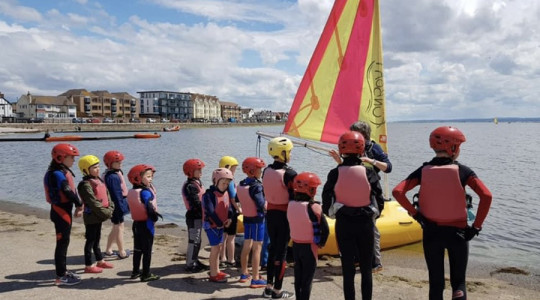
(446, 59)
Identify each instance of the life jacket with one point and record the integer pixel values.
(136, 205)
(275, 190)
(123, 185)
(299, 222)
(441, 195)
(249, 209)
(100, 192)
(184, 196)
(352, 187)
(52, 194)
(221, 208)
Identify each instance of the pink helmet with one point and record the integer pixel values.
(446, 138)
(112, 156)
(221, 173)
(60, 151)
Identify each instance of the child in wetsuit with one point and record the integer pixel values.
(227, 252)
(143, 207)
(442, 210)
(61, 194)
(98, 207)
(309, 231)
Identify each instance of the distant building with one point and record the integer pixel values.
(6, 109)
(264, 116)
(103, 103)
(167, 104)
(206, 108)
(46, 107)
(247, 113)
(230, 111)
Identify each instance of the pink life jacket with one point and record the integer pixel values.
(123, 185)
(275, 190)
(441, 195)
(221, 208)
(352, 187)
(100, 191)
(137, 207)
(199, 185)
(249, 209)
(299, 222)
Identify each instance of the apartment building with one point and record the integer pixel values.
(103, 104)
(46, 107)
(167, 105)
(231, 111)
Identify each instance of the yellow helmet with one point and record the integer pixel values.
(227, 162)
(277, 145)
(86, 162)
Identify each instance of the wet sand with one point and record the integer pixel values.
(27, 248)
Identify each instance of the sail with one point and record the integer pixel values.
(343, 82)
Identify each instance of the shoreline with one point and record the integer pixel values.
(28, 247)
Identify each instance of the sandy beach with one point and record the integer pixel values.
(28, 269)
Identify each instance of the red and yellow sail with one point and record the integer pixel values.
(343, 82)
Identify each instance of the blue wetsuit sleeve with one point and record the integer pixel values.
(209, 209)
(256, 192)
(232, 190)
(62, 185)
(114, 186)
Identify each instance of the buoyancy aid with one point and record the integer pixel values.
(100, 192)
(198, 184)
(352, 187)
(275, 190)
(52, 194)
(221, 208)
(441, 195)
(123, 185)
(137, 207)
(249, 209)
(299, 222)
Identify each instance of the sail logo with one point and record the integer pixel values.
(375, 107)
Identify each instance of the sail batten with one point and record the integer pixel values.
(343, 82)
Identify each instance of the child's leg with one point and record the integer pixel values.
(229, 242)
(223, 248)
(137, 247)
(244, 256)
(255, 259)
(147, 252)
(113, 237)
(194, 241)
(214, 259)
(120, 239)
(96, 248)
(90, 235)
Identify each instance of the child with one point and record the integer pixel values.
(192, 192)
(216, 217)
(309, 231)
(442, 210)
(251, 196)
(114, 179)
(229, 234)
(143, 207)
(277, 181)
(98, 208)
(61, 194)
(353, 188)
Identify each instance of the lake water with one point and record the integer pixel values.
(501, 155)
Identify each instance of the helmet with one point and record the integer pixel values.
(86, 162)
(277, 145)
(191, 165)
(227, 162)
(351, 142)
(446, 138)
(60, 151)
(135, 174)
(112, 156)
(250, 164)
(221, 173)
(306, 183)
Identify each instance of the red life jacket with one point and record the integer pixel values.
(60, 197)
(249, 209)
(184, 196)
(275, 190)
(221, 208)
(352, 187)
(137, 207)
(441, 195)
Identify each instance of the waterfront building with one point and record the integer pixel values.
(166, 105)
(206, 108)
(46, 107)
(230, 111)
(103, 103)
(6, 109)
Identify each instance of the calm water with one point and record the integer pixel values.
(500, 155)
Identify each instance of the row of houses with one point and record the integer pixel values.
(174, 106)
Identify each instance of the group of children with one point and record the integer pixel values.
(277, 202)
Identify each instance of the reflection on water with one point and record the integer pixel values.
(501, 155)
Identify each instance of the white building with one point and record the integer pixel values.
(46, 107)
(206, 108)
(6, 110)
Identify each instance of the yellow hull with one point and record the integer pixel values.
(397, 228)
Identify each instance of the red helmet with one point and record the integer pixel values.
(351, 142)
(221, 173)
(135, 174)
(250, 164)
(60, 151)
(191, 165)
(446, 138)
(112, 156)
(306, 183)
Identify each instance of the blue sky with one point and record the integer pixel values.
(443, 59)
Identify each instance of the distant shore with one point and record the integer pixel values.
(27, 269)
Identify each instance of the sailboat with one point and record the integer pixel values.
(344, 83)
